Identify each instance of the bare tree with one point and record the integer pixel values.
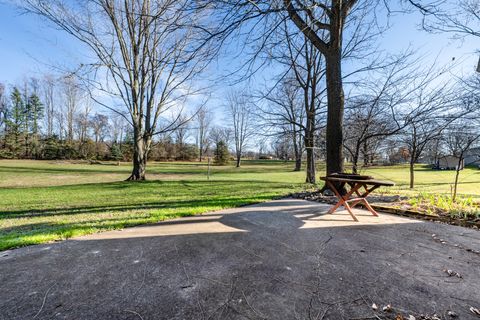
(282, 145)
(399, 96)
(459, 139)
(240, 115)
(375, 107)
(182, 131)
(334, 27)
(99, 125)
(284, 115)
(366, 121)
(218, 133)
(306, 65)
(324, 29)
(203, 121)
(83, 122)
(117, 128)
(71, 100)
(49, 101)
(427, 126)
(461, 17)
(147, 54)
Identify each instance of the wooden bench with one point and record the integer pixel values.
(354, 195)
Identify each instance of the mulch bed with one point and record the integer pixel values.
(395, 204)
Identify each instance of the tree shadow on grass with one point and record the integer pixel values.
(176, 169)
(10, 169)
(170, 204)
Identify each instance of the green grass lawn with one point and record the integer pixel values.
(428, 180)
(42, 201)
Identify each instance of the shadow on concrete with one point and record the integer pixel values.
(284, 259)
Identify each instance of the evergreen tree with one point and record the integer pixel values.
(15, 123)
(116, 152)
(222, 155)
(34, 112)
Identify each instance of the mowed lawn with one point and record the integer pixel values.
(42, 201)
(428, 180)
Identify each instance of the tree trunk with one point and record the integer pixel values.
(335, 96)
(309, 144)
(298, 153)
(200, 151)
(238, 160)
(139, 157)
(355, 163)
(139, 166)
(457, 174)
(413, 159)
(412, 173)
(298, 163)
(365, 154)
(310, 166)
(355, 157)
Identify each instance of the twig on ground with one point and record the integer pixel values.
(259, 314)
(135, 313)
(44, 300)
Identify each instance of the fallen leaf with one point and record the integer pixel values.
(475, 311)
(452, 314)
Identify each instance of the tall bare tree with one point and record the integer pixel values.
(461, 17)
(218, 133)
(335, 28)
(71, 101)
(203, 119)
(240, 115)
(117, 128)
(308, 68)
(434, 113)
(99, 124)
(459, 139)
(49, 101)
(284, 116)
(146, 53)
(83, 121)
(324, 28)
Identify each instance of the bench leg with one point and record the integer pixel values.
(369, 207)
(347, 206)
(335, 207)
(342, 199)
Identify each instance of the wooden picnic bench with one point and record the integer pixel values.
(354, 195)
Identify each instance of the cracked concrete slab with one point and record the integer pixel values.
(284, 259)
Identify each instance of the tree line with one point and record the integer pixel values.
(149, 54)
(54, 118)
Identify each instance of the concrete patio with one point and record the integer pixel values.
(284, 259)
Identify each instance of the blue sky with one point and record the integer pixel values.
(28, 46)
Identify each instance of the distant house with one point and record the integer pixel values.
(472, 157)
(448, 163)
